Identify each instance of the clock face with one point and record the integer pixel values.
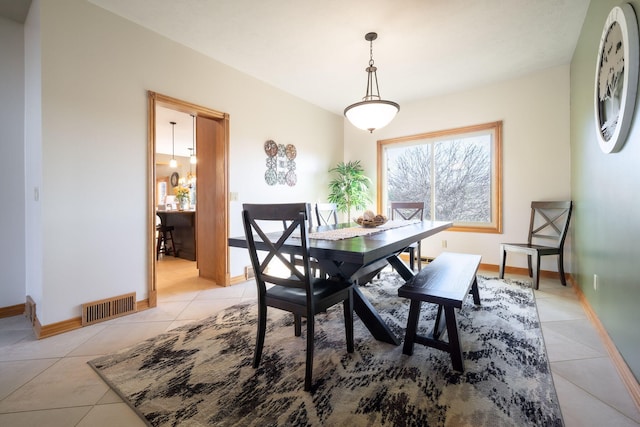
(616, 78)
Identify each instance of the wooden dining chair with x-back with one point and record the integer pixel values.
(548, 226)
(326, 213)
(296, 290)
(407, 211)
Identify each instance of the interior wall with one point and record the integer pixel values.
(605, 189)
(96, 70)
(12, 213)
(534, 110)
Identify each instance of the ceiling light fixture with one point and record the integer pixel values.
(173, 163)
(192, 157)
(372, 112)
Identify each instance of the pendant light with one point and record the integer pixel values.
(173, 163)
(372, 112)
(192, 158)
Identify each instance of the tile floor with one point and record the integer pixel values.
(48, 382)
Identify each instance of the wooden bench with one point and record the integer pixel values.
(446, 281)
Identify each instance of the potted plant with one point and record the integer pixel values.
(350, 188)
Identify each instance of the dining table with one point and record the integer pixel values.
(358, 254)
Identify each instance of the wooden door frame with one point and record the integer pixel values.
(153, 100)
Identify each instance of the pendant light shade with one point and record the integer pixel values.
(173, 163)
(372, 112)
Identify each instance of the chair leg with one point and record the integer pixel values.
(419, 255)
(262, 328)
(309, 365)
(561, 269)
(530, 266)
(503, 260)
(412, 257)
(474, 291)
(348, 320)
(297, 324)
(535, 260)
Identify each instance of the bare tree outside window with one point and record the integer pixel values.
(409, 175)
(456, 173)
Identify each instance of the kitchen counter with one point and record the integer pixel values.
(184, 233)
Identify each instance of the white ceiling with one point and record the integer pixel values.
(316, 50)
(183, 132)
(15, 10)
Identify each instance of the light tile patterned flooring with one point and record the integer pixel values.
(48, 382)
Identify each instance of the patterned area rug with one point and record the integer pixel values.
(201, 374)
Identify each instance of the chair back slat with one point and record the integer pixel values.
(265, 240)
(327, 213)
(407, 210)
(550, 222)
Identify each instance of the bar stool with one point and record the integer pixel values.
(164, 235)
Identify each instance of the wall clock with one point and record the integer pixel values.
(175, 178)
(616, 80)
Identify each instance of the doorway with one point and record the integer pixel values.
(211, 214)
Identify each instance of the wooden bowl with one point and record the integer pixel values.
(371, 223)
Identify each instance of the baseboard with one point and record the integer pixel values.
(628, 378)
(46, 331)
(12, 310)
(56, 328)
(237, 279)
(524, 271)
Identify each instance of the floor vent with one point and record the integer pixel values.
(249, 273)
(109, 308)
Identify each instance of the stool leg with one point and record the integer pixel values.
(158, 245)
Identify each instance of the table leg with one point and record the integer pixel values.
(399, 266)
(371, 319)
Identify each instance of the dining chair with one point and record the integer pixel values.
(407, 211)
(548, 224)
(294, 289)
(326, 213)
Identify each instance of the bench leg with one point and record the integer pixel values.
(454, 341)
(437, 328)
(412, 327)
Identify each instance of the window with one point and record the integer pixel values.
(455, 172)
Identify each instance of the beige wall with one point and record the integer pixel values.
(12, 267)
(535, 114)
(96, 69)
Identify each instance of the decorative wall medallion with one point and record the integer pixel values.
(616, 80)
(281, 164)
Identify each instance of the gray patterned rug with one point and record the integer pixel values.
(201, 374)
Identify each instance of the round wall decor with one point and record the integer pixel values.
(281, 165)
(616, 80)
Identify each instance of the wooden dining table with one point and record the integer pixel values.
(361, 257)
